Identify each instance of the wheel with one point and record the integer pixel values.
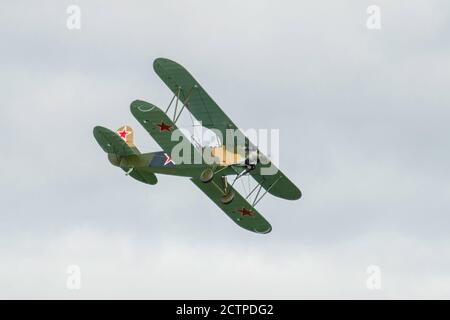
(207, 175)
(227, 198)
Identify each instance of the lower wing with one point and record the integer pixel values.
(239, 210)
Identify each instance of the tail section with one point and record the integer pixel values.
(126, 133)
(112, 143)
(120, 146)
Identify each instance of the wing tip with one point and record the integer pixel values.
(297, 194)
(261, 229)
(141, 106)
(266, 231)
(161, 60)
(98, 130)
(292, 192)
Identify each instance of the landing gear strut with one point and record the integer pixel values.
(228, 194)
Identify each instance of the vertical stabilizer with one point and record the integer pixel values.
(126, 133)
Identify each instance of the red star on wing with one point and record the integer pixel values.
(163, 126)
(246, 212)
(124, 133)
(168, 159)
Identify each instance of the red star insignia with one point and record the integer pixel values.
(124, 133)
(246, 212)
(164, 127)
(168, 159)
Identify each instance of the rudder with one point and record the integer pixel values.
(126, 133)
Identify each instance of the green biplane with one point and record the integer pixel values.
(235, 156)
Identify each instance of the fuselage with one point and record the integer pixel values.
(161, 163)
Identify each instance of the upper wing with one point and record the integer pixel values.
(204, 109)
(111, 142)
(156, 122)
(239, 210)
(160, 127)
(201, 105)
(276, 184)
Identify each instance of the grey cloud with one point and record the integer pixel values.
(363, 127)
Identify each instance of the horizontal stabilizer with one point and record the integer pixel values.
(111, 142)
(143, 176)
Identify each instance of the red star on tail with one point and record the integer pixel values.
(164, 127)
(124, 133)
(246, 212)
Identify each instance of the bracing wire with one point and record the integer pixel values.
(243, 186)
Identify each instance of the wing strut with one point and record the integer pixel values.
(258, 187)
(176, 114)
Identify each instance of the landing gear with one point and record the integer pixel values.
(227, 197)
(207, 175)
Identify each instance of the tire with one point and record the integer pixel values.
(227, 198)
(207, 175)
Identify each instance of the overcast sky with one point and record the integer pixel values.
(363, 118)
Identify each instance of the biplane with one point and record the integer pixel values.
(240, 158)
